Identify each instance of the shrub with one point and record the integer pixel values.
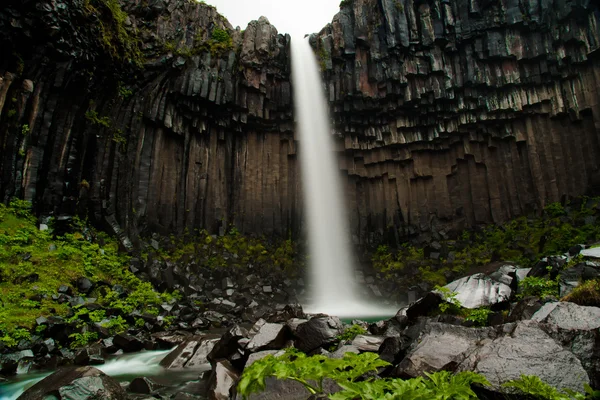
(479, 316)
(538, 286)
(220, 35)
(586, 294)
(351, 333)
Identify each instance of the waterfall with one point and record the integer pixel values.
(333, 288)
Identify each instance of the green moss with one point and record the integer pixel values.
(523, 241)
(34, 263)
(119, 42)
(219, 43)
(92, 116)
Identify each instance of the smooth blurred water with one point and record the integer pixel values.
(334, 289)
(123, 368)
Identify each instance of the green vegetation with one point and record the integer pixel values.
(586, 294)
(25, 130)
(535, 388)
(344, 3)
(451, 304)
(479, 316)
(232, 250)
(354, 374)
(92, 116)
(119, 42)
(523, 241)
(538, 286)
(351, 333)
(34, 263)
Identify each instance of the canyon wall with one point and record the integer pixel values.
(447, 114)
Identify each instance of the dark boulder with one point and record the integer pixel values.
(84, 285)
(525, 308)
(128, 343)
(367, 343)
(81, 383)
(318, 332)
(143, 386)
(228, 347)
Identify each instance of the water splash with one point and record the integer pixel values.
(334, 290)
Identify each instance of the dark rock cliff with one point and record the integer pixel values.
(452, 113)
(200, 137)
(448, 113)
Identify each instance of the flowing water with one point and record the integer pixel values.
(123, 368)
(334, 289)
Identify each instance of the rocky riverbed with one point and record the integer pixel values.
(556, 341)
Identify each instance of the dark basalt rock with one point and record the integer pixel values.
(128, 343)
(317, 332)
(82, 383)
(222, 381)
(143, 386)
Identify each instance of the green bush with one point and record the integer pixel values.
(538, 286)
(351, 333)
(479, 316)
(586, 294)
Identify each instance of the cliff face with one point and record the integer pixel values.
(200, 137)
(452, 113)
(447, 113)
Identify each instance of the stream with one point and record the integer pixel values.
(123, 368)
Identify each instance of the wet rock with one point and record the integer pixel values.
(222, 381)
(421, 307)
(82, 383)
(228, 347)
(144, 386)
(569, 279)
(392, 350)
(91, 355)
(568, 316)
(200, 356)
(479, 290)
(128, 343)
(317, 332)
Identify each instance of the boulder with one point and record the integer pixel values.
(569, 279)
(577, 329)
(525, 308)
(267, 336)
(285, 389)
(143, 386)
(227, 347)
(200, 356)
(367, 342)
(181, 354)
(479, 290)
(81, 383)
(526, 350)
(318, 332)
(128, 343)
(222, 381)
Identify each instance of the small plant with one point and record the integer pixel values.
(25, 130)
(479, 316)
(220, 35)
(534, 387)
(92, 116)
(555, 210)
(82, 339)
(351, 333)
(538, 286)
(450, 304)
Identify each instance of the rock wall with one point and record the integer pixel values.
(201, 137)
(447, 114)
(454, 113)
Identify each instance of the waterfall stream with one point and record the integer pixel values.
(123, 368)
(334, 290)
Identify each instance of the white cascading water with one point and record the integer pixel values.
(331, 267)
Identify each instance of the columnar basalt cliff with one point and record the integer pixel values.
(201, 136)
(453, 113)
(165, 118)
